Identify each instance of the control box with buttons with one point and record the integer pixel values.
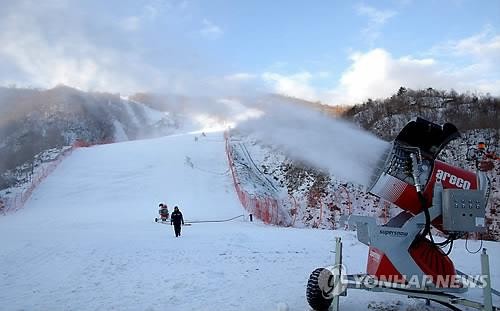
(463, 210)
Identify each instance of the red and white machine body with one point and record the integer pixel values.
(428, 191)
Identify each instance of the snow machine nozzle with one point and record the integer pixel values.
(420, 140)
(429, 137)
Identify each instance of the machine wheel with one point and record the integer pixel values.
(156, 219)
(314, 293)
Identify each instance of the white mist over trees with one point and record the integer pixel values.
(332, 144)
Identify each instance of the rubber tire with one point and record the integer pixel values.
(314, 294)
(156, 219)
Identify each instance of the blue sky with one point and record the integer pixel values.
(334, 51)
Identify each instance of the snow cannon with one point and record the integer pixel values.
(433, 196)
(431, 193)
(163, 212)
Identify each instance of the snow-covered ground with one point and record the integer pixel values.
(86, 240)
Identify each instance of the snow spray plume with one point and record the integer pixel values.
(327, 143)
(221, 107)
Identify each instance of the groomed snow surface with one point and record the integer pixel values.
(86, 240)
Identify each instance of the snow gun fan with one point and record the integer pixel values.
(431, 193)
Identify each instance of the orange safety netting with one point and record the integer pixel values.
(263, 207)
(19, 200)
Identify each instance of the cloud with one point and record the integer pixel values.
(151, 11)
(376, 19)
(295, 85)
(210, 30)
(476, 44)
(148, 13)
(376, 16)
(480, 46)
(55, 42)
(130, 23)
(46, 51)
(483, 46)
(378, 74)
(241, 76)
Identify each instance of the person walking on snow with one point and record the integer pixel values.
(176, 219)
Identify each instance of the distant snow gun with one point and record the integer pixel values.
(403, 256)
(483, 155)
(163, 212)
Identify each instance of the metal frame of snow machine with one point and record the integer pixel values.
(164, 215)
(339, 284)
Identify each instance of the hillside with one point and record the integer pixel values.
(467, 111)
(34, 121)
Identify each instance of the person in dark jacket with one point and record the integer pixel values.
(176, 219)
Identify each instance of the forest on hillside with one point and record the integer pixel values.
(465, 110)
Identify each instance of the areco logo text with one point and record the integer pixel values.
(452, 179)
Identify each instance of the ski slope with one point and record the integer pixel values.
(86, 239)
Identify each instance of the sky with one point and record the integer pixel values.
(336, 52)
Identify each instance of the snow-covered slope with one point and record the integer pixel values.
(34, 121)
(87, 241)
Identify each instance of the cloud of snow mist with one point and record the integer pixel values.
(327, 143)
(222, 109)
